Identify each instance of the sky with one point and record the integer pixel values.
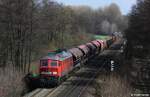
(125, 5)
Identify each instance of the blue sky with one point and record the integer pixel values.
(125, 5)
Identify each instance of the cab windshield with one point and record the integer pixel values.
(53, 63)
(44, 62)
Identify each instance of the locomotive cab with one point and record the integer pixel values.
(48, 67)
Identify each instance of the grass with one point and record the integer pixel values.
(70, 40)
(112, 86)
(101, 37)
(11, 83)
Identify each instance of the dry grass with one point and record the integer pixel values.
(112, 86)
(11, 83)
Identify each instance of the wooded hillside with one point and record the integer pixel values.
(29, 27)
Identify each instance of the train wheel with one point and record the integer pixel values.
(42, 83)
(58, 82)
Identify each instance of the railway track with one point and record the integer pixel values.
(39, 93)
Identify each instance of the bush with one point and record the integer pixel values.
(11, 83)
(112, 86)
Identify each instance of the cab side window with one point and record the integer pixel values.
(54, 63)
(44, 62)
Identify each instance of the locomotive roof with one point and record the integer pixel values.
(58, 56)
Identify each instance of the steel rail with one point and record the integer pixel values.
(74, 87)
(84, 88)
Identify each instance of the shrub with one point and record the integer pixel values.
(11, 83)
(112, 86)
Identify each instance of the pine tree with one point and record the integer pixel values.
(138, 32)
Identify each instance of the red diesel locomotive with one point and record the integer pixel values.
(58, 64)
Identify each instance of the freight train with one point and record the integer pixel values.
(58, 64)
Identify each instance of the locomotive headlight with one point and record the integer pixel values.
(54, 72)
(50, 72)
